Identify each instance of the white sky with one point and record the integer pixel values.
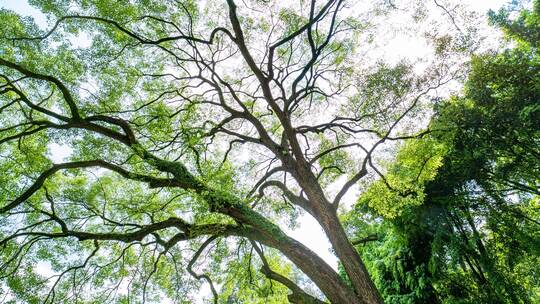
(308, 232)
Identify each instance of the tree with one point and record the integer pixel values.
(463, 224)
(193, 127)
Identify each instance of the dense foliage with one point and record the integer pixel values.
(464, 218)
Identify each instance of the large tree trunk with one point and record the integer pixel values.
(349, 258)
(326, 215)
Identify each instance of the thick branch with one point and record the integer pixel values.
(65, 92)
(38, 183)
(298, 296)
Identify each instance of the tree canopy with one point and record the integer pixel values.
(194, 134)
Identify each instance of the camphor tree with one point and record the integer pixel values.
(195, 132)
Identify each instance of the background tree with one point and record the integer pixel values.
(195, 132)
(460, 208)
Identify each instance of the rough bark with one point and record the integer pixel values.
(333, 287)
(326, 215)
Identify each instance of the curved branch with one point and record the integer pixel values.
(203, 276)
(152, 181)
(295, 199)
(131, 34)
(65, 92)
